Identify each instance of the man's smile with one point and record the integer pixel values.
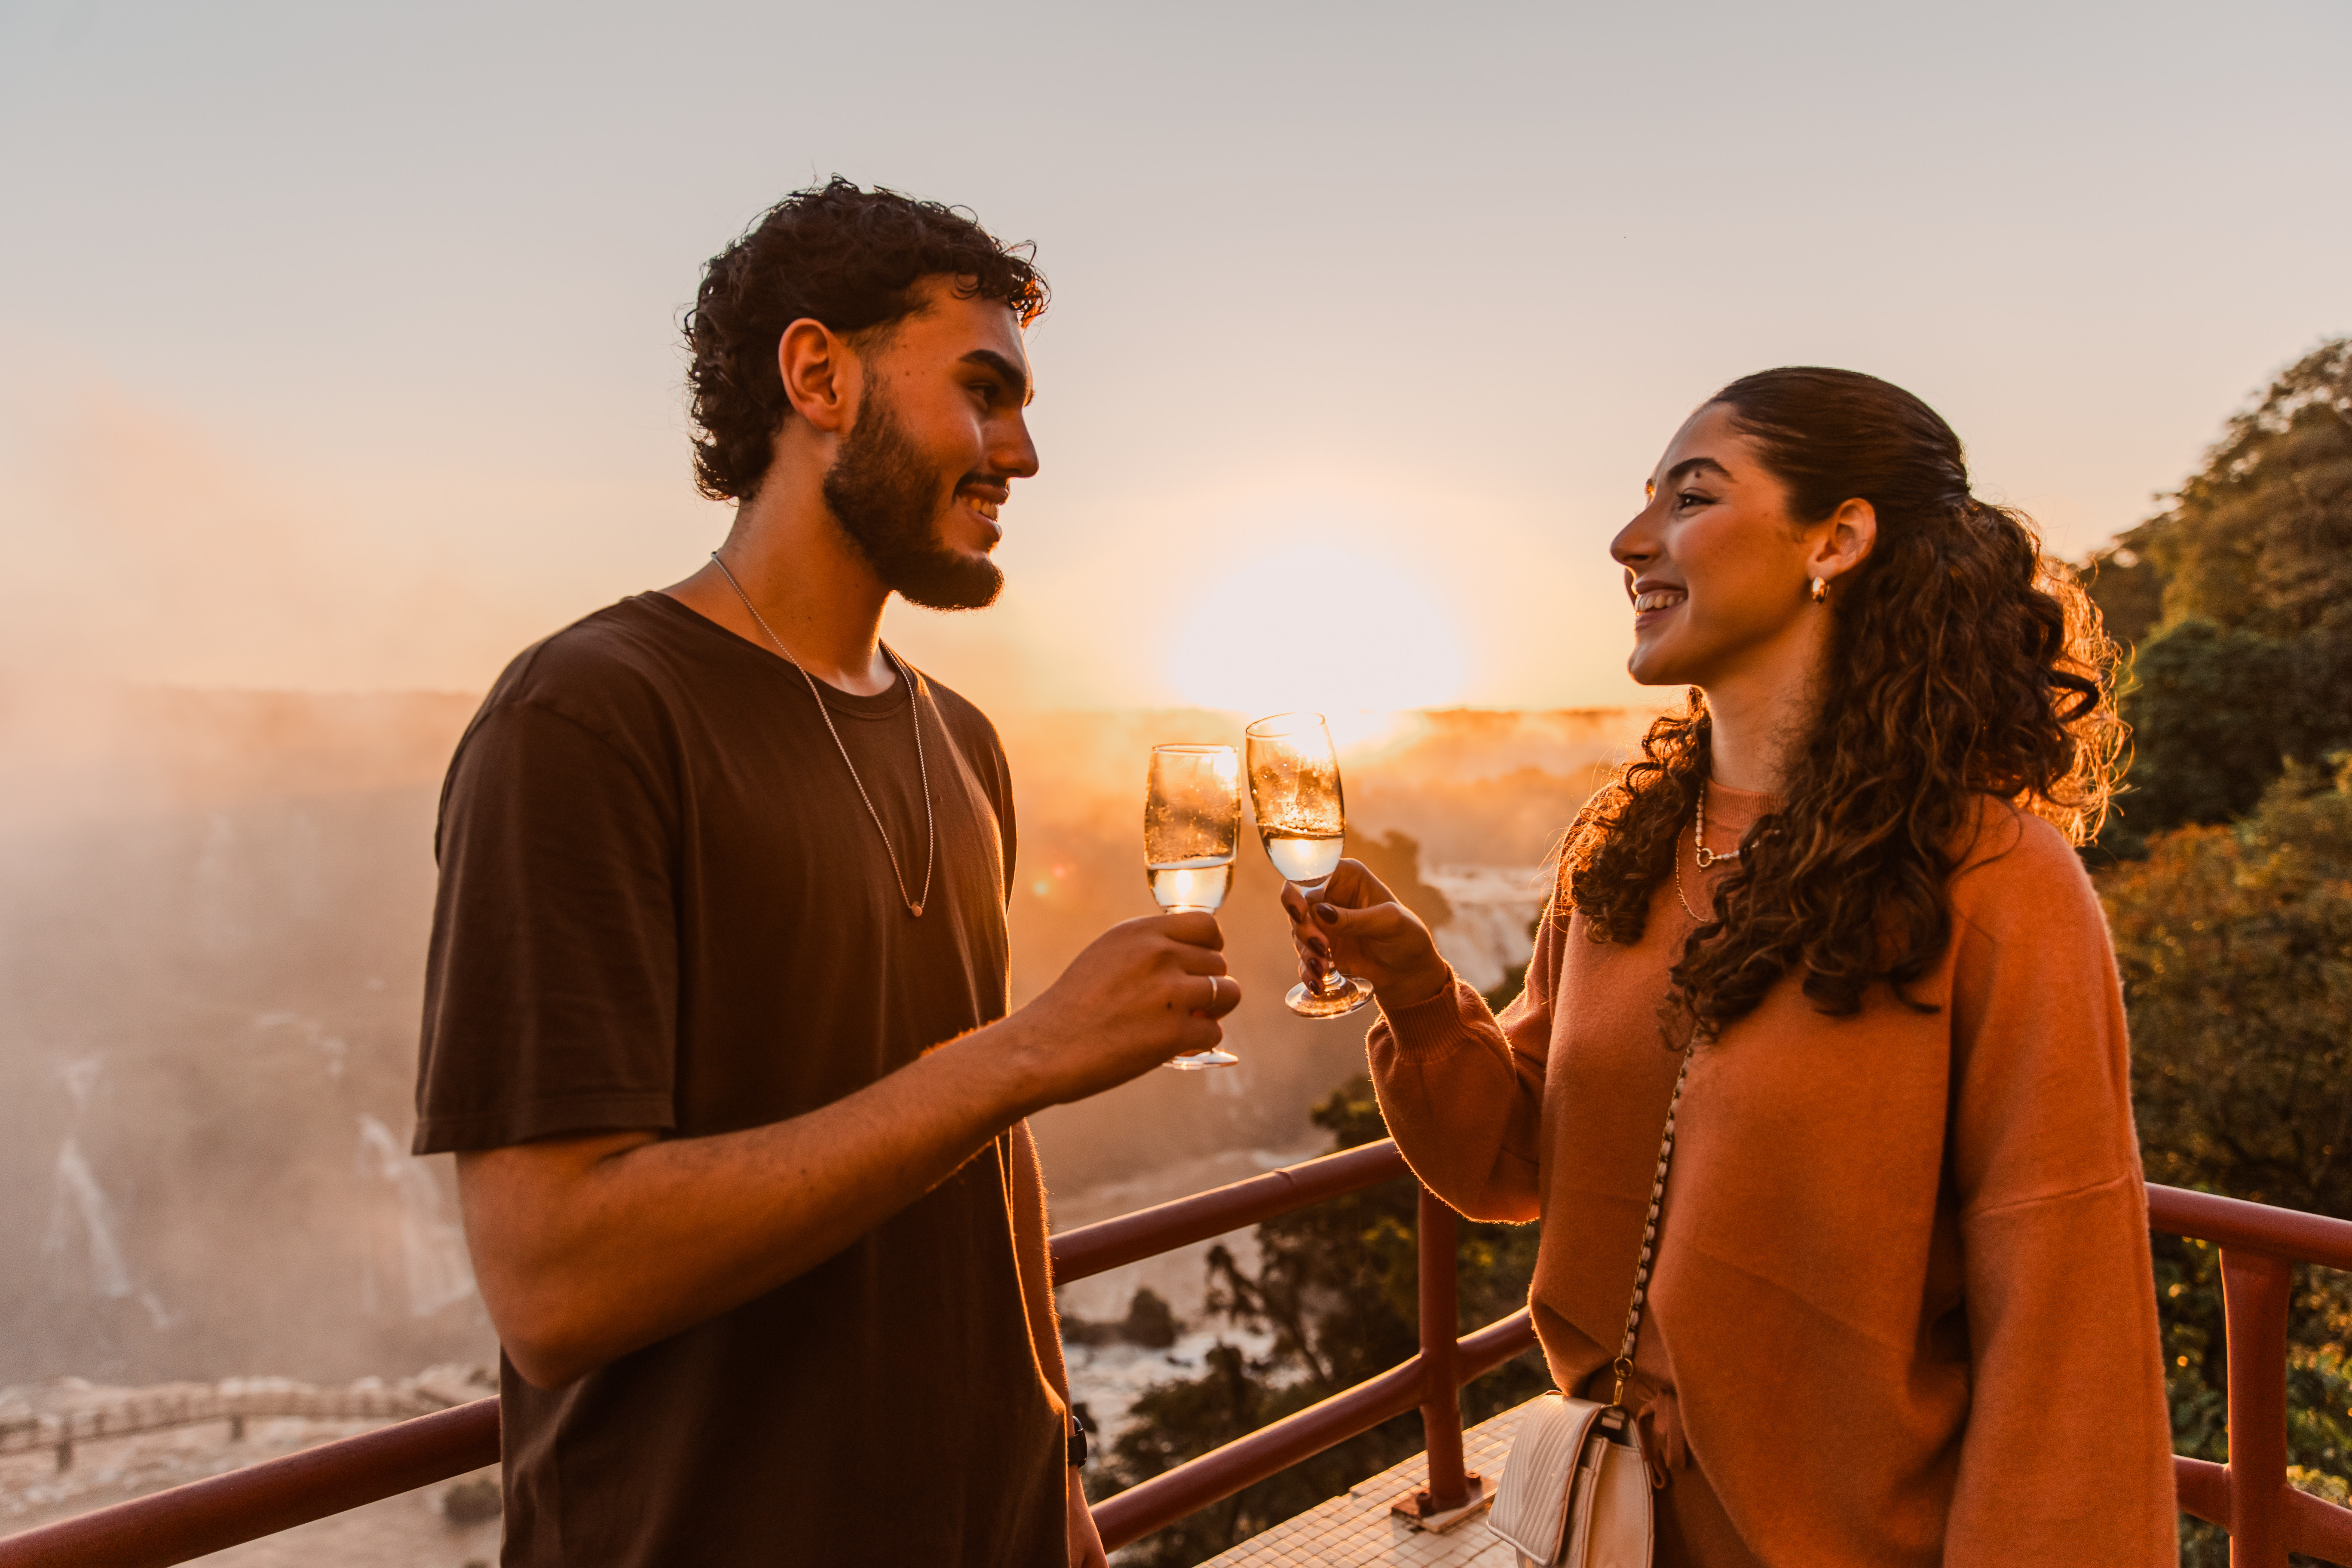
(983, 500)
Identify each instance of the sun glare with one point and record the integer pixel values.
(1310, 624)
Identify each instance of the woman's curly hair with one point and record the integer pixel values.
(1962, 663)
(839, 255)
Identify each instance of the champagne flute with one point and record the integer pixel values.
(1294, 774)
(1192, 827)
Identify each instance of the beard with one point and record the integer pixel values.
(887, 501)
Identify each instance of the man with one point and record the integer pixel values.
(716, 1005)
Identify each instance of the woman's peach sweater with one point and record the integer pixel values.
(1901, 1296)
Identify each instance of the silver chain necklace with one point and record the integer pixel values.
(930, 832)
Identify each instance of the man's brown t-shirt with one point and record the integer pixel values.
(662, 905)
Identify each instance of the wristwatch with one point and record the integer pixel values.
(1078, 1441)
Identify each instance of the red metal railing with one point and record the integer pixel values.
(1431, 1380)
(2249, 1496)
(189, 1520)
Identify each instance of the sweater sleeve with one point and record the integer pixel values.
(1463, 1090)
(2069, 1436)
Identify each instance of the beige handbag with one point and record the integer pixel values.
(1576, 1489)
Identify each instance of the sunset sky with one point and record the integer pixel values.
(338, 343)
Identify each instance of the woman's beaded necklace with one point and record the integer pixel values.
(1703, 856)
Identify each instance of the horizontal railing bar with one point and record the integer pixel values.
(1195, 1484)
(2317, 1528)
(2202, 1489)
(1220, 1473)
(2289, 1234)
(1498, 1341)
(1096, 1249)
(219, 1512)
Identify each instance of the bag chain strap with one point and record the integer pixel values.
(1623, 1366)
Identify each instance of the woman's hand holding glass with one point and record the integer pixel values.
(1302, 820)
(1355, 925)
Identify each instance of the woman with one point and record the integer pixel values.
(1901, 1309)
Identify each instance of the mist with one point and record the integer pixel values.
(213, 909)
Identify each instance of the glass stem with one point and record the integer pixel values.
(1327, 981)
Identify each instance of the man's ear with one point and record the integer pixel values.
(821, 375)
(1846, 540)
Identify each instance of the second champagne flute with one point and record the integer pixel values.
(1294, 774)
(1191, 827)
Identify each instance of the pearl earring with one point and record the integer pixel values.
(1821, 589)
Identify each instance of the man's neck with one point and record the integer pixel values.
(818, 595)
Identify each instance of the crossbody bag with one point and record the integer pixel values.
(1576, 1489)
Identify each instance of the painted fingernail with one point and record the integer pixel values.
(1327, 914)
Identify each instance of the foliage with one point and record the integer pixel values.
(2217, 712)
(2239, 596)
(1334, 1284)
(2236, 945)
(2260, 537)
(2205, 710)
(2128, 588)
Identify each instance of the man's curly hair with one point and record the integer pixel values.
(847, 258)
(1963, 663)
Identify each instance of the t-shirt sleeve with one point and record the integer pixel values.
(551, 979)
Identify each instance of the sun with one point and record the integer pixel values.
(1313, 624)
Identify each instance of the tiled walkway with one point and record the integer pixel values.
(1357, 1530)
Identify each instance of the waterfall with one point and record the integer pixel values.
(78, 1192)
(432, 1249)
(1492, 906)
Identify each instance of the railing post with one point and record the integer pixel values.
(1441, 1398)
(2254, 1289)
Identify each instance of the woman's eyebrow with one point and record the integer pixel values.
(1689, 465)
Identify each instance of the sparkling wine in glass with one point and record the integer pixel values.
(1192, 828)
(1294, 774)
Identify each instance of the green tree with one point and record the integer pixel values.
(2261, 536)
(2238, 597)
(2208, 705)
(2236, 945)
(1335, 1283)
